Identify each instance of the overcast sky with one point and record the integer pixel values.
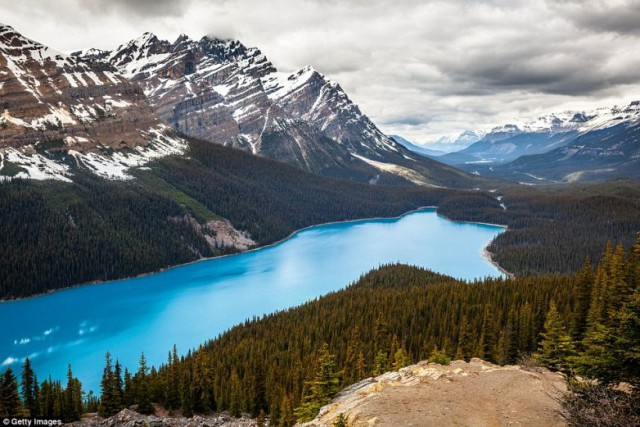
(419, 69)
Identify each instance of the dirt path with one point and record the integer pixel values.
(461, 394)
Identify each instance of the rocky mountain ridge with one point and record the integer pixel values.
(224, 92)
(60, 113)
(521, 138)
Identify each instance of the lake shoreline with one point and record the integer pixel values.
(486, 253)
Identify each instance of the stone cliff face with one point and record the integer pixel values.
(59, 110)
(226, 93)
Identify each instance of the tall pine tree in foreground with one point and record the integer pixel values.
(321, 387)
(29, 386)
(9, 396)
(556, 347)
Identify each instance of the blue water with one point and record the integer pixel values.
(189, 304)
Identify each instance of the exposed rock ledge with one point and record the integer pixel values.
(129, 418)
(477, 393)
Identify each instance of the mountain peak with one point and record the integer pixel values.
(57, 108)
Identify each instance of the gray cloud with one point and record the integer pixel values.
(157, 8)
(619, 16)
(417, 68)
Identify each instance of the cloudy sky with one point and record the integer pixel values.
(419, 69)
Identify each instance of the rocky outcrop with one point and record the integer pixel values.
(59, 111)
(463, 394)
(129, 418)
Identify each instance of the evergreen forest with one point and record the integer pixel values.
(57, 234)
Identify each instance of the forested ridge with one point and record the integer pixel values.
(57, 234)
(552, 229)
(288, 364)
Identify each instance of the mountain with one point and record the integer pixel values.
(603, 154)
(416, 148)
(224, 92)
(448, 144)
(598, 145)
(61, 113)
(509, 142)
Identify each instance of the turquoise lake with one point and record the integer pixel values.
(190, 304)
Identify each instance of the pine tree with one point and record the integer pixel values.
(118, 386)
(203, 399)
(173, 381)
(465, 340)
(556, 346)
(9, 396)
(400, 359)
(109, 399)
(361, 368)
(128, 395)
(486, 344)
(186, 396)
(28, 387)
(350, 371)
(142, 387)
(438, 356)
(583, 290)
(72, 406)
(381, 363)
(286, 412)
(321, 388)
(235, 397)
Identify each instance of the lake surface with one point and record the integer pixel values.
(189, 304)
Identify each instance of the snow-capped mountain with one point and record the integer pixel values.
(416, 148)
(448, 144)
(224, 92)
(544, 134)
(60, 113)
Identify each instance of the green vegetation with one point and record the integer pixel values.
(45, 400)
(552, 229)
(11, 169)
(59, 234)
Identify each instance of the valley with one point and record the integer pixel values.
(196, 231)
(216, 294)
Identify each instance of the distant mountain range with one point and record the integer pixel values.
(564, 147)
(417, 148)
(447, 144)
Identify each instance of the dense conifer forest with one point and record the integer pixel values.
(289, 364)
(57, 234)
(61, 234)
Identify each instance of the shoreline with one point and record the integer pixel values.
(486, 254)
(270, 245)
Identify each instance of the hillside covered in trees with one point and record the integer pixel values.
(59, 234)
(290, 363)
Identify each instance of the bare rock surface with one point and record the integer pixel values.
(477, 393)
(129, 418)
